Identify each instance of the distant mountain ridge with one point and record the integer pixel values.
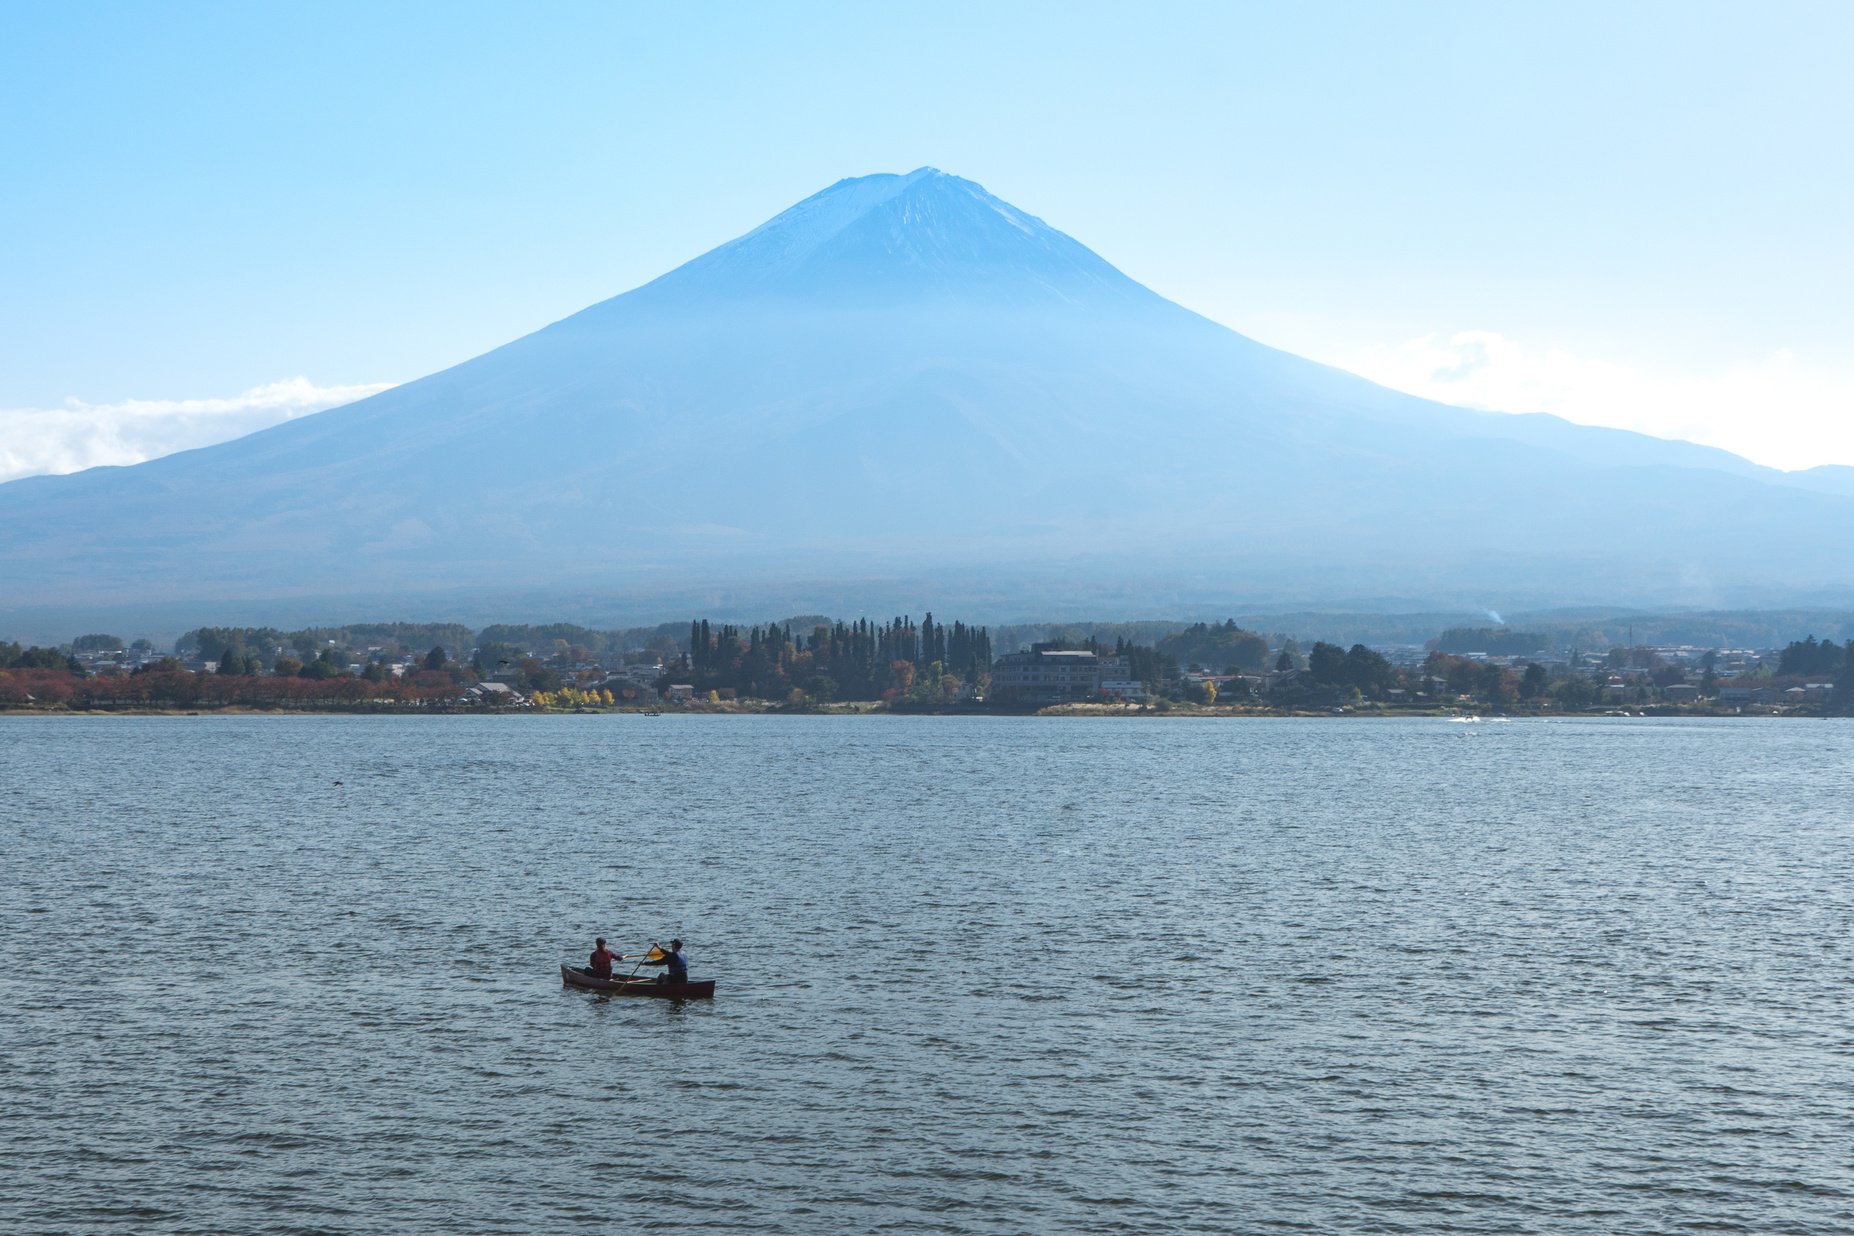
(903, 387)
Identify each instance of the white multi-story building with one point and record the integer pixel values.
(1046, 675)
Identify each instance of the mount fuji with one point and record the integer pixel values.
(904, 391)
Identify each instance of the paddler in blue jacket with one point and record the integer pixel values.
(675, 965)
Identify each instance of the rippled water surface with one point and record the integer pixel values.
(1012, 975)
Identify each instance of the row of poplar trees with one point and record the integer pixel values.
(861, 660)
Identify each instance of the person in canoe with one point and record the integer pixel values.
(602, 959)
(675, 964)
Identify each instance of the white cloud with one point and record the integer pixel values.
(1775, 410)
(84, 435)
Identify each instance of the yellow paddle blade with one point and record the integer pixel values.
(655, 954)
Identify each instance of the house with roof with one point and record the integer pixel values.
(492, 694)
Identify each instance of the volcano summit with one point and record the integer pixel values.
(903, 389)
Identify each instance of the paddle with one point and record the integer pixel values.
(655, 953)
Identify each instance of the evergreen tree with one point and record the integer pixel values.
(1326, 664)
(1810, 659)
(1368, 671)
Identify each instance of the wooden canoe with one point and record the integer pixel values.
(694, 989)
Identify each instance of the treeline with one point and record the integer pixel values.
(251, 667)
(12, 656)
(900, 661)
(1499, 687)
(567, 643)
(1494, 641)
(1332, 676)
(1827, 660)
(166, 684)
(813, 659)
(1216, 647)
(263, 647)
(897, 661)
(559, 643)
(1018, 636)
(1157, 670)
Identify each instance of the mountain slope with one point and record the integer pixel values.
(904, 377)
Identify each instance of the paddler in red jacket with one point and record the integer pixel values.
(602, 958)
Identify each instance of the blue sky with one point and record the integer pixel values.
(1633, 214)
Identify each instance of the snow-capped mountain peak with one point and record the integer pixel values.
(904, 374)
(887, 234)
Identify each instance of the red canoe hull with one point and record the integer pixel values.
(698, 989)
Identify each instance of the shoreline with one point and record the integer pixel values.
(878, 709)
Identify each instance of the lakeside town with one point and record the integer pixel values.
(901, 665)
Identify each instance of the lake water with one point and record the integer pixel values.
(976, 975)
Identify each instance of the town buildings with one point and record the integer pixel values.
(1050, 675)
